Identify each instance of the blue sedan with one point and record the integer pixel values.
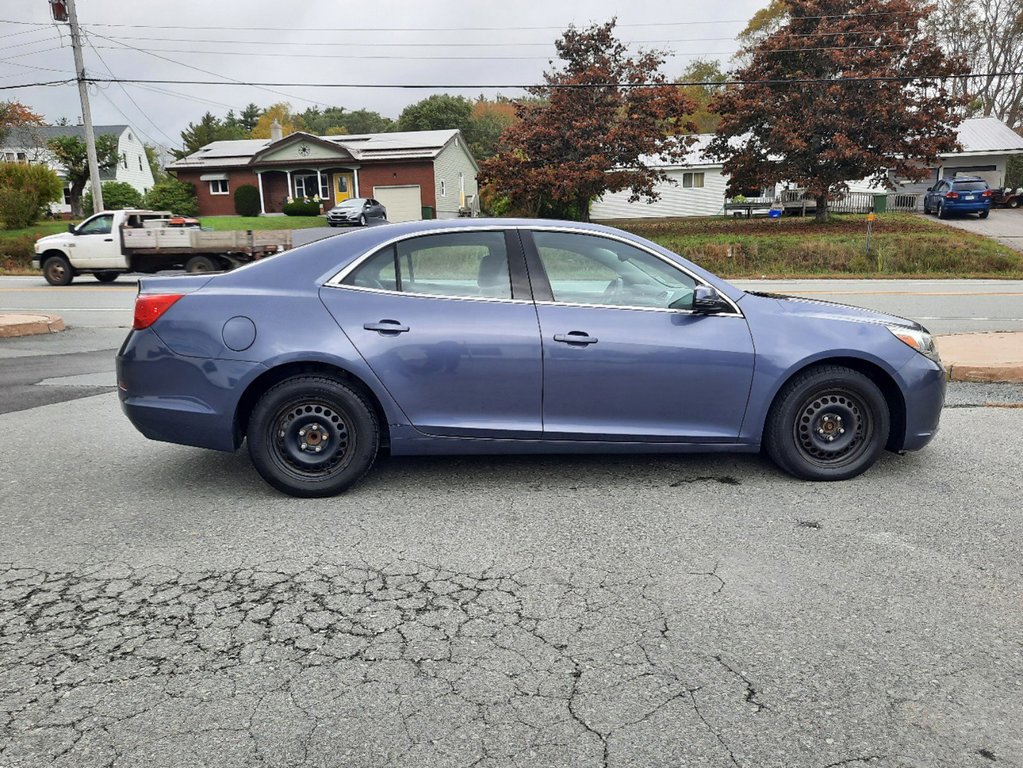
(514, 336)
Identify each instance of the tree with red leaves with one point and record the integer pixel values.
(839, 91)
(589, 128)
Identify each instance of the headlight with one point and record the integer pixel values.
(921, 341)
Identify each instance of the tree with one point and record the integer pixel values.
(988, 34)
(207, 130)
(282, 113)
(438, 112)
(25, 191)
(246, 200)
(14, 114)
(703, 71)
(588, 132)
(367, 121)
(117, 195)
(155, 163)
(489, 120)
(877, 102)
(172, 195)
(70, 153)
(249, 117)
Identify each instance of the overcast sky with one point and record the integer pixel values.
(375, 44)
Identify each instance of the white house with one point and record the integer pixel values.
(29, 145)
(987, 143)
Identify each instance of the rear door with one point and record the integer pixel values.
(445, 321)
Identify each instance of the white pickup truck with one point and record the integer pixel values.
(112, 243)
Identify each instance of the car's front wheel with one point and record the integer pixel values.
(828, 423)
(57, 271)
(312, 436)
(942, 213)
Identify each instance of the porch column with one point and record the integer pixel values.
(291, 190)
(319, 185)
(355, 176)
(259, 184)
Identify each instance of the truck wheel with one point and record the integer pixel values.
(57, 271)
(106, 277)
(201, 264)
(1014, 203)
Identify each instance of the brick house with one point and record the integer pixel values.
(414, 174)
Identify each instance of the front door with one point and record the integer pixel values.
(436, 320)
(96, 245)
(624, 357)
(344, 186)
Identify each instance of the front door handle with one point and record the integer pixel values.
(387, 327)
(575, 337)
(108, 240)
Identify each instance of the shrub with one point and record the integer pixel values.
(16, 252)
(174, 196)
(25, 191)
(302, 208)
(117, 195)
(246, 200)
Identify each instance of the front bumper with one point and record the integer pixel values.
(924, 383)
(37, 261)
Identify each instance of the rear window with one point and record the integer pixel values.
(969, 186)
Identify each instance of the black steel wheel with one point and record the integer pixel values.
(312, 436)
(57, 271)
(829, 423)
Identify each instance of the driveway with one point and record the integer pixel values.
(1004, 225)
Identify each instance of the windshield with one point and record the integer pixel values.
(352, 202)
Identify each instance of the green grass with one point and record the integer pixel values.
(225, 223)
(902, 245)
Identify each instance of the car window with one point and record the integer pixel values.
(969, 186)
(462, 264)
(585, 269)
(100, 225)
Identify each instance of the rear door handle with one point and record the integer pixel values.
(575, 337)
(387, 327)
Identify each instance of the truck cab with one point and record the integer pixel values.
(91, 247)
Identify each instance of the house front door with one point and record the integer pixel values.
(344, 186)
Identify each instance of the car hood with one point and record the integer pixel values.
(830, 310)
(52, 239)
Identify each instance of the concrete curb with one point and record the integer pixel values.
(983, 357)
(12, 325)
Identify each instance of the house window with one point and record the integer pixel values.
(218, 187)
(67, 195)
(124, 160)
(443, 189)
(22, 158)
(140, 162)
(691, 180)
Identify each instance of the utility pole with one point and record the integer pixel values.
(83, 92)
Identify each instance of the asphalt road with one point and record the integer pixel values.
(161, 606)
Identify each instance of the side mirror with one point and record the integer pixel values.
(71, 228)
(707, 300)
(930, 189)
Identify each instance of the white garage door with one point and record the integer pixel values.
(402, 203)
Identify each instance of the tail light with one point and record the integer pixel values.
(951, 195)
(150, 308)
(987, 193)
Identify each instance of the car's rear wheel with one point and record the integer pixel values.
(984, 214)
(57, 271)
(927, 209)
(106, 277)
(312, 436)
(828, 423)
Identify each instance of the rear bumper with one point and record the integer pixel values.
(976, 207)
(151, 378)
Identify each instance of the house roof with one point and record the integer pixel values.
(983, 135)
(405, 145)
(36, 135)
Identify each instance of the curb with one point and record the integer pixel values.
(12, 325)
(988, 358)
(985, 374)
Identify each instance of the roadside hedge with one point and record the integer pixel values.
(25, 191)
(302, 208)
(117, 195)
(246, 200)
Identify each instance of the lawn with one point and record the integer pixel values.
(224, 223)
(901, 245)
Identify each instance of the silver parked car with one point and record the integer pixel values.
(356, 211)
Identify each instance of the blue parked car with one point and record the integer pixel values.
(962, 194)
(514, 336)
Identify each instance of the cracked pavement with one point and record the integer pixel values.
(160, 606)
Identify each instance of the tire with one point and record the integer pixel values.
(198, 264)
(828, 423)
(362, 220)
(942, 213)
(106, 277)
(57, 271)
(331, 224)
(1014, 203)
(927, 208)
(341, 422)
(983, 214)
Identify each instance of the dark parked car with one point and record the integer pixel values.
(514, 336)
(356, 211)
(963, 194)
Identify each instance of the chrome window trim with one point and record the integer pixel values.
(336, 280)
(387, 292)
